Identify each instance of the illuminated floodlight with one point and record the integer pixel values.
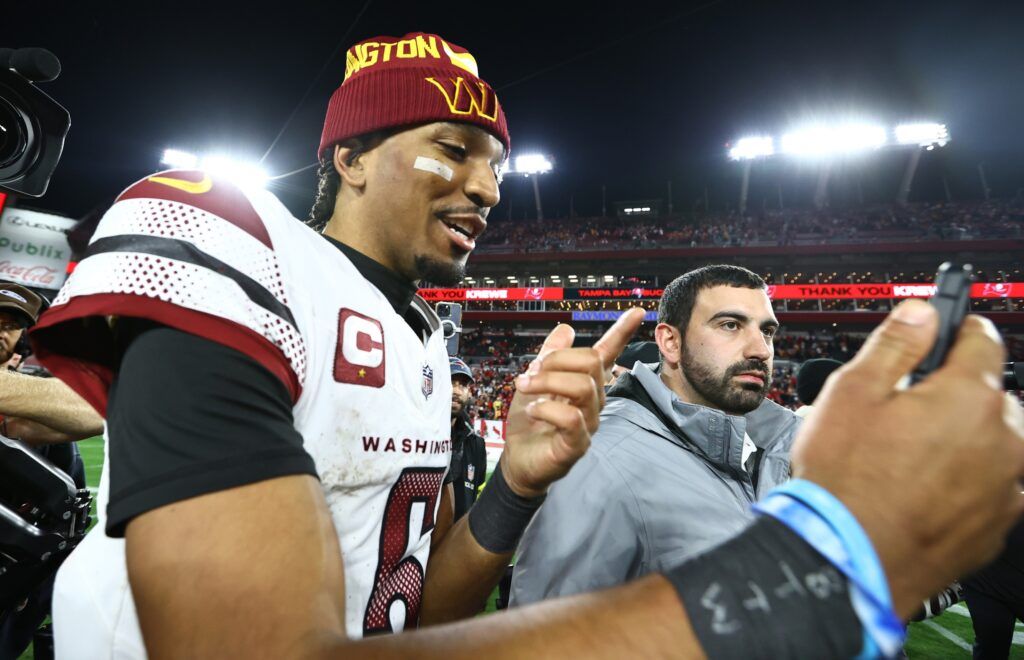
(809, 141)
(924, 134)
(238, 171)
(860, 137)
(179, 159)
(756, 146)
(532, 164)
(823, 140)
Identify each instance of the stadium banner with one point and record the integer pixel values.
(868, 291)
(998, 290)
(775, 291)
(607, 316)
(493, 433)
(515, 293)
(34, 248)
(611, 294)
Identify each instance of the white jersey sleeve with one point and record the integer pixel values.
(186, 251)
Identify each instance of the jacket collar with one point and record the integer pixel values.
(713, 433)
(462, 429)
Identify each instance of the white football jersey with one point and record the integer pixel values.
(371, 399)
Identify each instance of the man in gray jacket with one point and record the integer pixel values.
(684, 448)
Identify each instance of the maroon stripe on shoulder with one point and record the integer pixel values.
(199, 189)
(53, 341)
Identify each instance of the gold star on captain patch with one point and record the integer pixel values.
(362, 373)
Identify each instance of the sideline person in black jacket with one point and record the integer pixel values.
(995, 597)
(469, 453)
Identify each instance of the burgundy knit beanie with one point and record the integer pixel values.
(417, 79)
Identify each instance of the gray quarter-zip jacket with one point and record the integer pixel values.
(661, 482)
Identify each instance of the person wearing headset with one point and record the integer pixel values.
(37, 411)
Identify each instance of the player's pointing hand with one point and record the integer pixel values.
(557, 405)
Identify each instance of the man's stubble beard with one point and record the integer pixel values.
(462, 404)
(720, 391)
(439, 272)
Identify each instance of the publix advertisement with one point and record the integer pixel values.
(34, 248)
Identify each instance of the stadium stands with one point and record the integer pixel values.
(871, 224)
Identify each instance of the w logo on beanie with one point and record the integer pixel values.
(464, 100)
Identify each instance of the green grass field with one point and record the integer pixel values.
(947, 636)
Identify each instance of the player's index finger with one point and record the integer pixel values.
(561, 337)
(611, 343)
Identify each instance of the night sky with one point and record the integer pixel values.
(629, 97)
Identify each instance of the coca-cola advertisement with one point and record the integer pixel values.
(34, 248)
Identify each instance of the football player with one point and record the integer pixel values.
(248, 365)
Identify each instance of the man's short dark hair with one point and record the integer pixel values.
(677, 301)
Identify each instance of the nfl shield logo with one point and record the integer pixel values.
(470, 471)
(428, 381)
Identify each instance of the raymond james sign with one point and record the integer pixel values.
(34, 248)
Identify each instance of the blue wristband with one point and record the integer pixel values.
(824, 523)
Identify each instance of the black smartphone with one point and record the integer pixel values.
(451, 324)
(952, 295)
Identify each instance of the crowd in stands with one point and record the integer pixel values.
(499, 345)
(913, 222)
(805, 346)
(496, 358)
(783, 390)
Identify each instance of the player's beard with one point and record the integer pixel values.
(443, 273)
(720, 390)
(459, 404)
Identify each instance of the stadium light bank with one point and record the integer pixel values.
(827, 142)
(530, 166)
(241, 172)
